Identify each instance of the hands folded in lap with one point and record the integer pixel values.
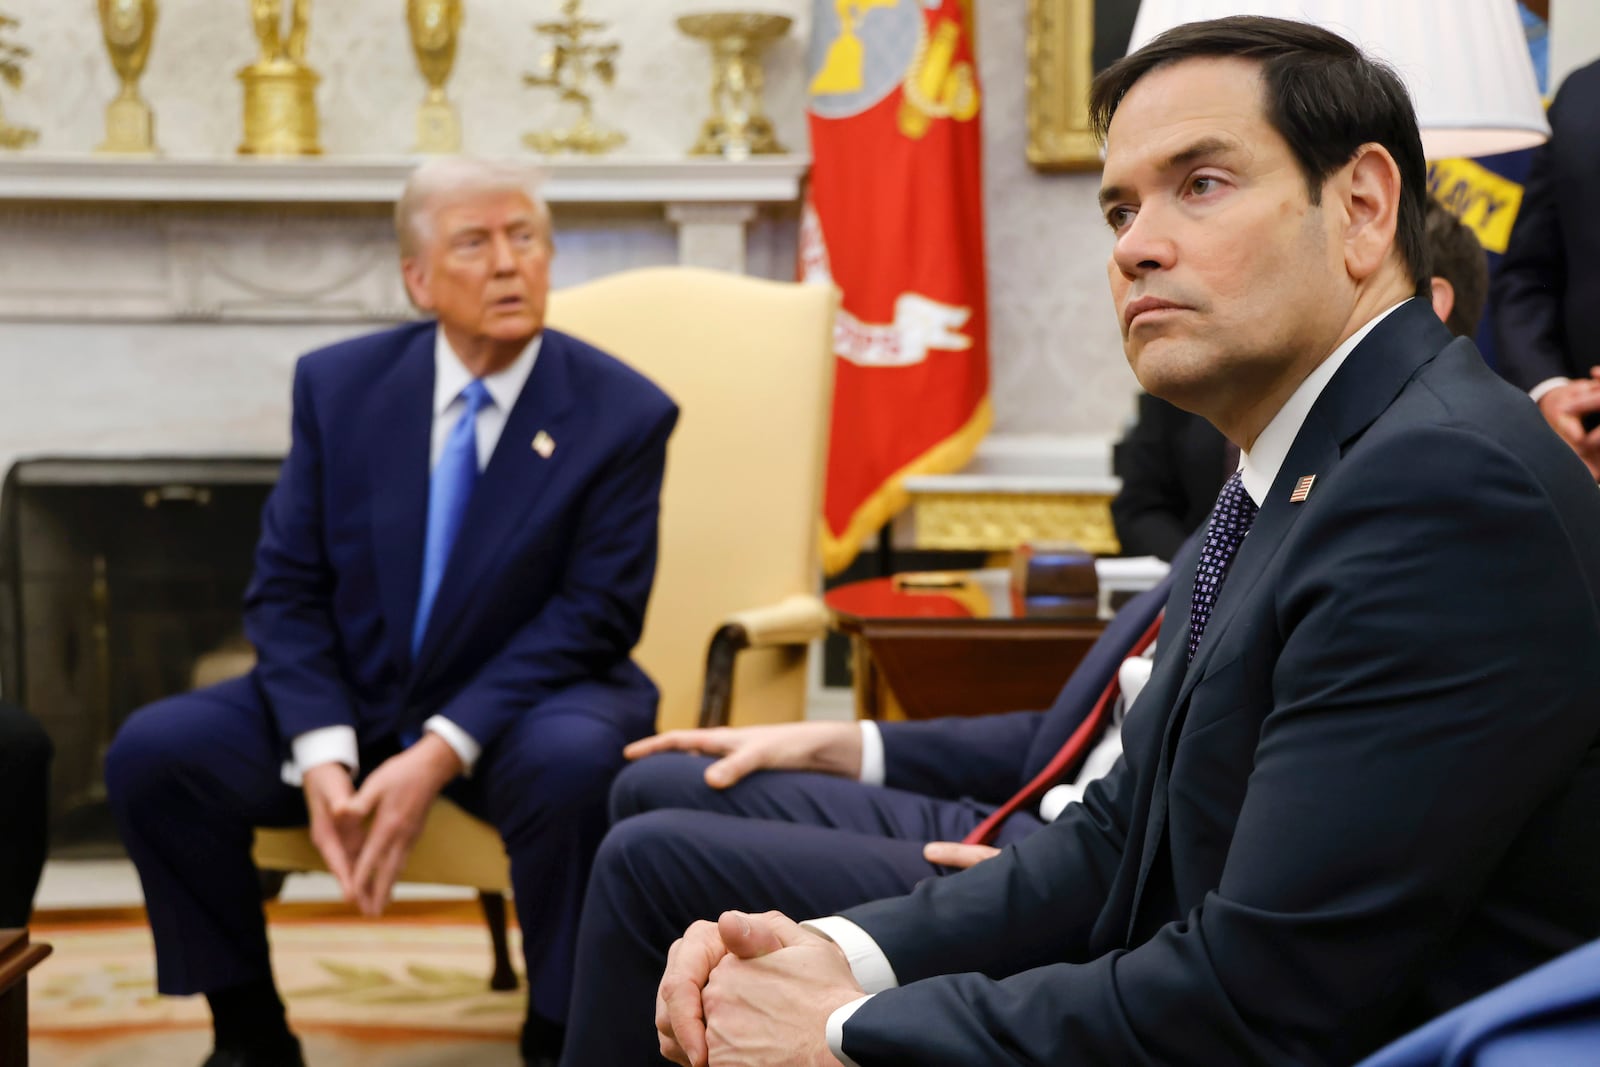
(365, 835)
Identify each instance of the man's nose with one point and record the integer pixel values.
(505, 258)
(1144, 244)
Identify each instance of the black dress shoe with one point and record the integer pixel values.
(232, 1057)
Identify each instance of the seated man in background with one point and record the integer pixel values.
(1173, 462)
(846, 813)
(452, 571)
(25, 754)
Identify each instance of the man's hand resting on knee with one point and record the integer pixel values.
(824, 747)
(393, 804)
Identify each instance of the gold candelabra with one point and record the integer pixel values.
(573, 59)
(11, 57)
(738, 127)
(280, 91)
(128, 27)
(435, 29)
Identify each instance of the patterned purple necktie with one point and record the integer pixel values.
(1230, 521)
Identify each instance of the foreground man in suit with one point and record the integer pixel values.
(1363, 781)
(452, 571)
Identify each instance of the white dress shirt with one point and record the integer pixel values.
(337, 744)
(1259, 468)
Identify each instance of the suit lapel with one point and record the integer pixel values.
(402, 430)
(509, 487)
(1371, 377)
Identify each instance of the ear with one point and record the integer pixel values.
(1444, 298)
(1372, 210)
(415, 275)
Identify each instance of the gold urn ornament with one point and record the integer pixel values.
(435, 30)
(11, 57)
(738, 127)
(280, 91)
(572, 61)
(128, 27)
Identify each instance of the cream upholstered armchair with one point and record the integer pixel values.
(750, 365)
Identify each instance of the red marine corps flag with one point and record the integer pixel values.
(895, 220)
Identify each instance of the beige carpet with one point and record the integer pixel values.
(410, 990)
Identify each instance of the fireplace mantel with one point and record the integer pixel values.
(309, 240)
(374, 180)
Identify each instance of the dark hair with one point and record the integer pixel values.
(1459, 259)
(1323, 96)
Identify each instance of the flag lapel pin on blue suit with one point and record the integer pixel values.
(1302, 489)
(543, 444)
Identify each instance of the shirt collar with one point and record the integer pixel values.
(450, 375)
(1258, 468)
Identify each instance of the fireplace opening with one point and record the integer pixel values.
(116, 576)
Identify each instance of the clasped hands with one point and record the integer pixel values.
(751, 991)
(365, 835)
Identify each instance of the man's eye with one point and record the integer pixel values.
(1201, 186)
(1119, 217)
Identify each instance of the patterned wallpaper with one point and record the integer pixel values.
(1058, 368)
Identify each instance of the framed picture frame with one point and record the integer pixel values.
(1068, 41)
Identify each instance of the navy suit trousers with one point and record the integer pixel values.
(803, 844)
(191, 776)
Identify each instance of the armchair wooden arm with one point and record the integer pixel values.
(795, 620)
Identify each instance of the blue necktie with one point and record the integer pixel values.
(1230, 521)
(448, 492)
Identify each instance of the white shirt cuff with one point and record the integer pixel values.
(1538, 391)
(872, 766)
(836, 1021)
(867, 961)
(327, 744)
(465, 747)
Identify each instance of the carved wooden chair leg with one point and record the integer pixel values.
(494, 913)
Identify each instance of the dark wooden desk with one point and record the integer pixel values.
(17, 957)
(953, 644)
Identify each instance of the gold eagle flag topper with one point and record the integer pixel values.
(11, 57)
(435, 28)
(280, 91)
(128, 27)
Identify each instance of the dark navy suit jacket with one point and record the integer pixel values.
(1374, 793)
(546, 585)
(1546, 293)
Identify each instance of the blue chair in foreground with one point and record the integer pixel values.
(1550, 1017)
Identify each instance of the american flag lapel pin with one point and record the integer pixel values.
(543, 444)
(1302, 489)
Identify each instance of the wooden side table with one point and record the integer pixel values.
(930, 645)
(17, 957)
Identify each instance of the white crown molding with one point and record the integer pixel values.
(377, 180)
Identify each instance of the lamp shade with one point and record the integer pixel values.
(1465, 62)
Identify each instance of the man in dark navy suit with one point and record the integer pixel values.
(1362, 784)
(453, 569)
(1547, 292)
